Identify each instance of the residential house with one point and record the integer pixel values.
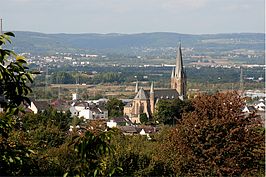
(60, 105)
(129, 130)
(119, 121)
(87, 111)
(248, 109)
(38, 106)
(260, 105)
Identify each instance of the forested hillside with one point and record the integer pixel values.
(128, 43)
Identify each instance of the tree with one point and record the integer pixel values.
(138, 156)
(62, 78)
(143, 118)
(14, 76)
(115, 107)
(169, 111)
(108, 77)
(216, 139)
(93, 150)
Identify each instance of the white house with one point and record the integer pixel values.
(248, 109)
(86, 113)
(111, 124)
(260, 106)
(81, 106)
(38, 106)
(83, 109)
(142, 132)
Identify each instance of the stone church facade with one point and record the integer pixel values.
(145, 100)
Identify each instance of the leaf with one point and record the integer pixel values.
(18, 158)
(95, 172)
(31, 151)
(11, 160)
(21, 59)
(35, 72)
(119, 168)
(10, 34)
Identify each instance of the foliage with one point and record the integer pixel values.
(138, 156)
(50, 117)
(92, 152)
(115, 107)
(46, 134)
(108, 77)
(62, 78)
(216, 139)
(143, 118)
(14, 76)
(169, 111)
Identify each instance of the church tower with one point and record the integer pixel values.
(152, 99)
(178, 77)
(137, 87)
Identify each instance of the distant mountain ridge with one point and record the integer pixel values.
(42, 43)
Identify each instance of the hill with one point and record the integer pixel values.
(128, 44)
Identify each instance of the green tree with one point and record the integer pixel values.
(169, 111)
(138, 156)
(115, 107)
(93, 151)
(108, 77)
(62, 78)
(14, 76)
(143, 118)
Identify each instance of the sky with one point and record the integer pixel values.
(133, 16)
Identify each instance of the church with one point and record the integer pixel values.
(145, 100)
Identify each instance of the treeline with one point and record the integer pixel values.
(96, 75)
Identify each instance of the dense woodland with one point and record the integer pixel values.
(205, 136)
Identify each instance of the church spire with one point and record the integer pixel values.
(179, 63)
(152, 88)
(137, 87)
(152, 103)
(179, 81)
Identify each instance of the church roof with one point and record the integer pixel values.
(163, 94)
(142, 95)
(166, 94)
(129, 104)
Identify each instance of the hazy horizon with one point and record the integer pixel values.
(134, 16)
(137, 33)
